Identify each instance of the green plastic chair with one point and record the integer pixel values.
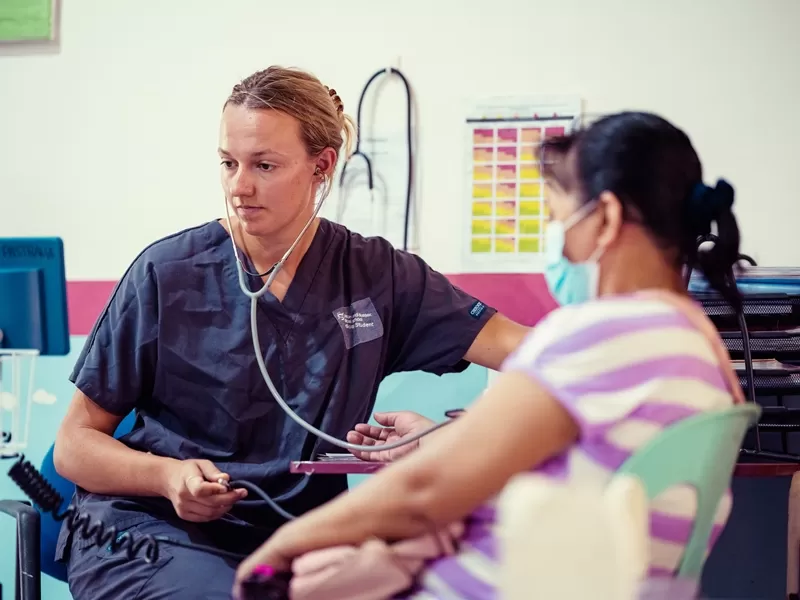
(700, 451)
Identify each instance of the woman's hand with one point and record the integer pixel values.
(396, 426)
(193, 486)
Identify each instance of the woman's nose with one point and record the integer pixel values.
(241, 184)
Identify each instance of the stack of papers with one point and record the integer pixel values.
(334, 457)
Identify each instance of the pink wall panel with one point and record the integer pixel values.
(523, 298)
(85, 301)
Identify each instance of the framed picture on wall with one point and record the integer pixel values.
(24, 21)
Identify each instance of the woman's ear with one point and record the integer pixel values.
(326, 161)
(611, 208)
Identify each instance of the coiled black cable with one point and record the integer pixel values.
(748, 356)
(748, 368)
(48, 500)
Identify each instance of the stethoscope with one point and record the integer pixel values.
(368, 162)
(270, 274)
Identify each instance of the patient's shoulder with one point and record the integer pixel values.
(581, 327)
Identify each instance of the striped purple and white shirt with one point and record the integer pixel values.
(625, 368)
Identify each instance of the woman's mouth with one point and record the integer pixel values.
(248, 212)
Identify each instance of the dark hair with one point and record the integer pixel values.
(651, 166)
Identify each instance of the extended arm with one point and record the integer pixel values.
(498, 338)
(515, 426)
(439, 328)
(493, 344)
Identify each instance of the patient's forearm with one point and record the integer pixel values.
(424, 441)
(513, 428)
(387, 508)
(452, 415)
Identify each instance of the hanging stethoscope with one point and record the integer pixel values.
(368, 162)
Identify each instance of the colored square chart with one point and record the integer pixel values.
(481, 209)
(506, 245)
(481, 245)
(507, 135)
(508, 210)
(530, 190)
(481, 226)
(482, 173)
(507, 154)
(505, 226)
(529, 171)
(506, 172)
(482, 155)
(530, 226)
(481, 190)
(551, 132)
(483, 136)
(528, 153)
(506, 190)
(531, 135)
(530, 208)
(505, 209)
(529, 244)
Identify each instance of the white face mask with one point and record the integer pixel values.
(570, 283)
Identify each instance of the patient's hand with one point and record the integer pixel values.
(396, 426)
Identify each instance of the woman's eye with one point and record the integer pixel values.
(265, 167)
(227, 164)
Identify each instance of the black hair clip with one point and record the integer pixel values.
(707, 203)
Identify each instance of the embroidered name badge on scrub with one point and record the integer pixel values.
(360, 322)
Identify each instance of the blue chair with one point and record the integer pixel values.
(37, 533)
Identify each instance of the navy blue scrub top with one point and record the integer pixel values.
(174, 344)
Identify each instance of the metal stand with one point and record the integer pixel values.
(16, 399)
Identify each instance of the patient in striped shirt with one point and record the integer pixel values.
(624, 368)
(620, 360)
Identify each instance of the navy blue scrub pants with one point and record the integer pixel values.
(179, 573)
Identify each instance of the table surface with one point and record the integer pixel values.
(766, 469)
(354, 466)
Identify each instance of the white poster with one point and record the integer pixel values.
(503, 198)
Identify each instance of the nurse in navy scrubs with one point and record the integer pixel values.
(174, 345)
